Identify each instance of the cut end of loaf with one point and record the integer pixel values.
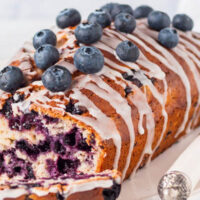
(35, 145)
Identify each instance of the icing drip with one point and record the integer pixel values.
(103, 127)
(88, 186)
(194, 55)
(68, 188)
(115, 99)
(161, 98)
(188, 59)
(173, 65)
(143, 70)
(140, 101)
(182, 52)
(9, 193)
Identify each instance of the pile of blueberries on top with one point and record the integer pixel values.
(89, 59)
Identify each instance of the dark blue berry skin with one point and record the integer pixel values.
(88, 60)
(125, 22)
(88, 33)
(44, 36)
(57, 78)
(168, 37)
(127, 51)
(124, 8)
(111, 8)
(11, 79)
(112, 193)
(68, 17)
(142, 11)
(158, 20)
(101, 17)
(114, 9)
(46, 56)
(183, 22)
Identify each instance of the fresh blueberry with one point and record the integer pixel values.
(127, 51)
(68, 17)
(88, 33)
(114, 9)
(158, 20)
(44, 36)
(46, 56)
(11, 79)
(111, 8)
(57, 78)
(101, 17)
(88, 60)
(142, 11)
(168, 37)
(183, 22)
(125, 22)
(124, 8)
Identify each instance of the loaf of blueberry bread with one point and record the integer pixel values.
(112, 92)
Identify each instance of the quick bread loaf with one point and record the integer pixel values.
(119, 118)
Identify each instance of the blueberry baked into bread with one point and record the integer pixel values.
(92, 102)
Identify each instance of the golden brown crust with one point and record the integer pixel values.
(175, 105)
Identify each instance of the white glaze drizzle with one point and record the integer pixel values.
(88, 186)
(189, 36)
(182, 52)
(114, 98)
(154, 91)
(39, 98)
(140, 101)
(73, 186)
(173, 65)
(106, 92)
(11, 193)
(107, 128)
(189, 46)
(196, 59)
(189, 59)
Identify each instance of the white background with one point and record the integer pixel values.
(20, 19)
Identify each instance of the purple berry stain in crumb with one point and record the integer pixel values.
(64, 144)
(52, 168)
(70, 138)
(50, 120)
(62, 166)
(7, 110)
(75, 139)
(29, 121)
(31, 150)
(59, 148)
(68, 166)
(44, 146)
(15, 166)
